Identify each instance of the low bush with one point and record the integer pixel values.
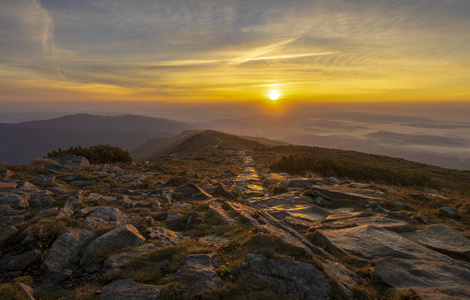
(99, 154)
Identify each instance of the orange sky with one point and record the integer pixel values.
(184, 51)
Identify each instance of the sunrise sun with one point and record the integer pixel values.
(274, 95)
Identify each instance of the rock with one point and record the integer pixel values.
(197, 274)
(84, 211)
(215, 208)
(64, 252)
(46, 213)
(155, 204)
(448, 212)
(7, 233)
(53, 168)
(422, 219)
(182, 206)
(129, 289)
(60, 189)
(301, 279)
(375, 220)
(105, 217)
(119, 260)
(394, 205)
(11, 220)
(43, 202)
(6, 210)
(418, 196)
(338, 198)
(322, 201)
(191, 192)
(71, 160)
(222, 191)
(431, 191)
(295, 184)
(192, 220)
(214, 240)
(6, 174)
(21, 261)
(124, 236)
(44, 180)
(69, 207)
(18, 201)
(26, 290)
(173, 219)
(442, 239)
(359, 185)
(345, 277)
(164, 236)
(6, 186)
(430, 279)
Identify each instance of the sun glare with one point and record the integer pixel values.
(274, 95)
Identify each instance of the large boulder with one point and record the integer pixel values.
(126, 289)
(197, 274)
(441, 238)
(104, 217)
(7, 233)
(191, 192)
(71, 160)
(301, 279)
(64, 253)
(69, 207)
(124, 236)
(118, 260)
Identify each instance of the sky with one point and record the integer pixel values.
(232, 51)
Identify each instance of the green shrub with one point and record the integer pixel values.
(299, 164)
(99, 154)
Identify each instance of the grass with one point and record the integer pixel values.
(9, 291)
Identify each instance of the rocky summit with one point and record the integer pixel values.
(221, 225)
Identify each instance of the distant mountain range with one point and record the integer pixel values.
(24, 142)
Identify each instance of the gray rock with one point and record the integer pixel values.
(422, 219)
(118, 260)
(191, 192)
(105, 216)
(296, 184)
(94, 197)
(126, 289)
(301, 279)
(215, 207)
(165, 237)
(430, 279)
(222, 191)
(71, 160)
(448, 212)
(124, 236)
(84, 211)
(69, 207)
(43, 202)
(6, 210)
(11, 220)
(60, 189)
(431, 191)
(345, 277)
(322, 201)
(181, 206)
(43, 180)
(21, 261)
(338, 198)
(173, 219)
(155, 204)
(7, 233)
(197, 274)
(18, 201)
(64, 253)
(46, 213)
(6, 186)
(6, 174)
(442, 239)
(53, 167)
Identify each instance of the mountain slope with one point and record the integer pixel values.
(198, 141)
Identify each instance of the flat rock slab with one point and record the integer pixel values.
(442, 239)
(370, 242)
(400, 262)
(301, 279)
(376, 220)
(343, 196)
(345, 277)
(126, 289)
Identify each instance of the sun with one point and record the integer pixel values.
(274, 95)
